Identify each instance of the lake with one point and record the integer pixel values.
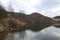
(50, 33)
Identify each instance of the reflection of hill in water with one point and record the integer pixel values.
(15, 36)
(47, 34)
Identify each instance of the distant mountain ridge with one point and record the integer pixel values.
(57, 17)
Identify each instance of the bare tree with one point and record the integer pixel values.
(10, 7)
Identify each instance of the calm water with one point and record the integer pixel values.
(50, 33)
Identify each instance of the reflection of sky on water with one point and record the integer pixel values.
(50, 33)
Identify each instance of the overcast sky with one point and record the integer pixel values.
(48, 8)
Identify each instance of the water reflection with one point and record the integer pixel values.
(15, 36)
(50, 33)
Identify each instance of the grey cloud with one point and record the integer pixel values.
(46, 36)
(47, 4)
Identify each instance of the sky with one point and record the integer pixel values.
(50, 8)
